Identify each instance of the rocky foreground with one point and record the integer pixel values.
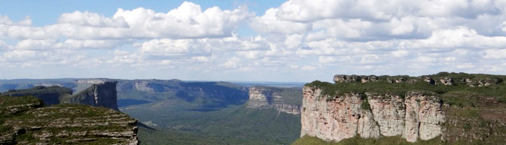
(24, 120)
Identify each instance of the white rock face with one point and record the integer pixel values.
(263, 98)
(143, 86)
(389, 112)
(424, 117)
(418, 116)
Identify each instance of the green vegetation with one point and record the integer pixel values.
(449, 94)
(27, 121)
(180, 124)
(473, 105)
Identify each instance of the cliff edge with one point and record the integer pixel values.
(23, 120)
(285, 100)
(454, 108)
(100, 94)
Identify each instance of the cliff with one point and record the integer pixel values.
(100, 93)
(23, 120)
(94, 92)
(281, 99)
(50, 95)
(454, 108)
(419, 115)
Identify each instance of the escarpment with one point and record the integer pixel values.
(454, 108)
(94, 92)
(23, 120)
(370, 115)
(282, 99)
(100, 93)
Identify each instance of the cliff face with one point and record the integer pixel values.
(370, 115)
(100, 93)
(23, 120)
(269, 97)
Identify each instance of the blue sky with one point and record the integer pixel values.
(263, 40)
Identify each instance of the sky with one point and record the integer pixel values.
(245, 40)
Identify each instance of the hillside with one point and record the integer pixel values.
(23, 120)
(179, 121)
(453, 108)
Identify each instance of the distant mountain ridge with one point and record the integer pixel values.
(101, 93)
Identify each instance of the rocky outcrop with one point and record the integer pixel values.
(370, 115)
(25, 121)
(100, 94)
(355, 78)
(447, 79)
(269, 97)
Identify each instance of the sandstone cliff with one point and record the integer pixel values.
(419, 116)
(454, 108)
(100, 93)
(23, 120)
(281, 99)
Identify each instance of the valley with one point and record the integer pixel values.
(181, 112)
(443, 108)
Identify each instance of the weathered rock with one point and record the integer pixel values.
(419, 116)
(389, 112)
(269, 97)
(102, 94)
(429, 80)
(347, 78)
(424, 117)
(447, 81)
(68, 123)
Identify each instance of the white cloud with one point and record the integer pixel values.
(341, 36)
(495, 54)
(313, 10)
(269, 23)
(186, 21)
(91, 19)
(47, 44)
(175, 48)
(308, 68)
(232, 63)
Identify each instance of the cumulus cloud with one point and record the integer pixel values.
(180, 47)
(313, 10)
(91, 19)
(47, 44)
(270, 23)
(186, 21)
(340, 36)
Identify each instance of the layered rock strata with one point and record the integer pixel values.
(101, 94)
(370, 115)
(25, 121)
(264, 98)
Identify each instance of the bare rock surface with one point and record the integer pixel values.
(25, 121)
(268, 97)
(419, 116)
